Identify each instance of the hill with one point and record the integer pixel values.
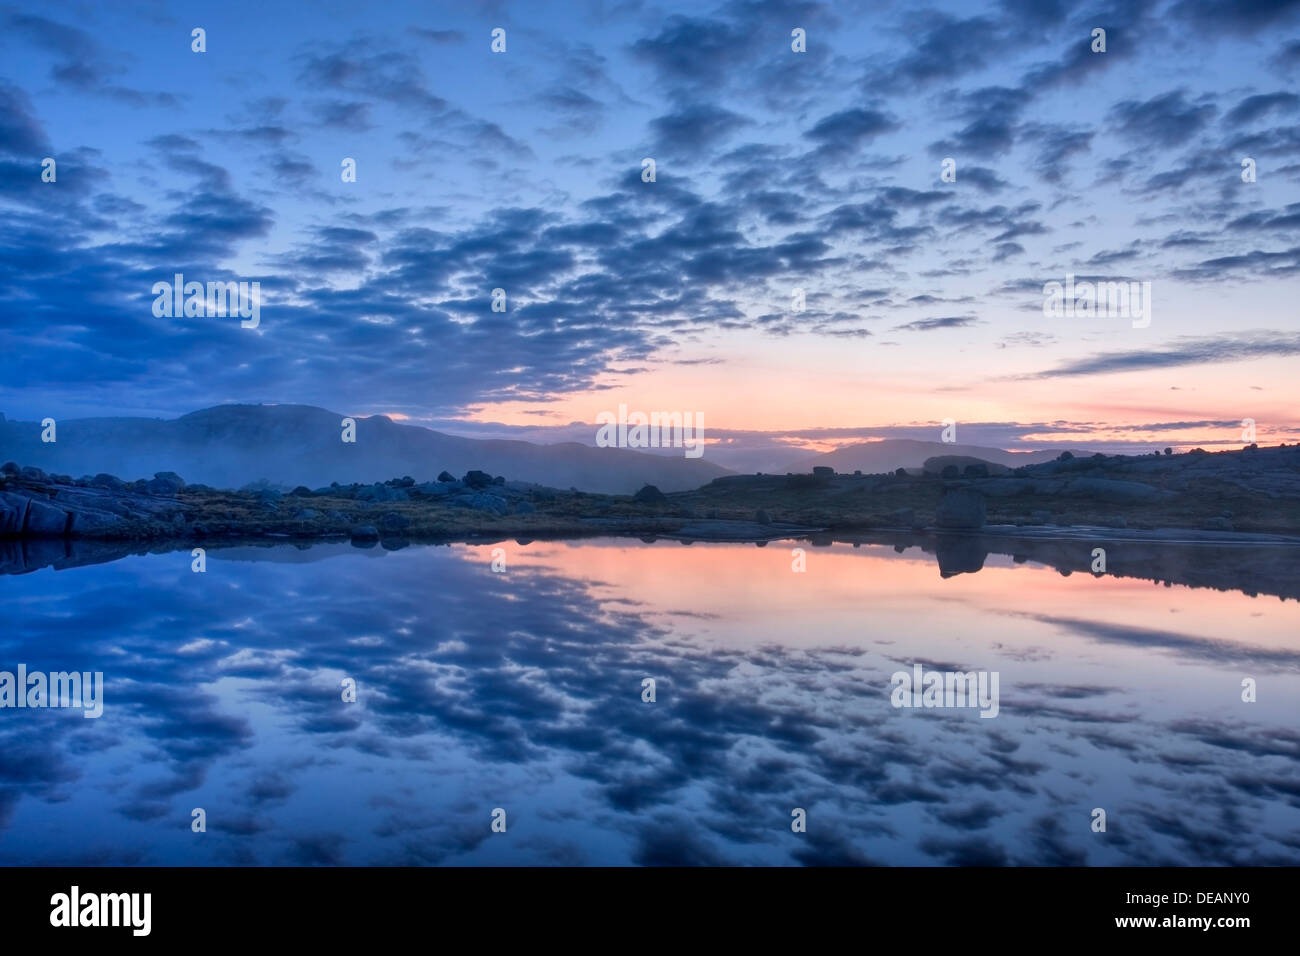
(229, 446)
(879, 457)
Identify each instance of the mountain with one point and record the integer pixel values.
(873, 458)
(231, 445)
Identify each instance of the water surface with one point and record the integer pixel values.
(523, 691)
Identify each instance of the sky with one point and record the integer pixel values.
(775, 170)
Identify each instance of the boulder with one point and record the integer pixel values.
(392, 521)
(960, 508)
(1114, 491)
(491, 504)
(91, 521)
(111, 482)
(163, 486)
(13, 512)
(649, 494)
(365, 532)
(477, 479)
(381, 492)
(170, 476)
(32, 473)
(45, 520)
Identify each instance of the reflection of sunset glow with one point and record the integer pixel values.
(872, 592)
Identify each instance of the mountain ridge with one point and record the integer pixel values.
(235, 444)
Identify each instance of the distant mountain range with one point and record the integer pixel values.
(893, 453)
(229, 446)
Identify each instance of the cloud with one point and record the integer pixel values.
(1205, 350)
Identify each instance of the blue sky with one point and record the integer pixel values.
(775, 170)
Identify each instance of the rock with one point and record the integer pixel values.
(381, 492)
(33, 474)
(823, 471)
(1114, 491)
(13, 512)
(91, 521)
(477, 479)
(649, 494)
(492, 504)
(45, 520)
(163, 486)
(436, 489)
(761, 517)
(171, 476)
(111, 482)
(446, 476)
(365, 532)
(960, 508)
(9, 468)
(392, 521)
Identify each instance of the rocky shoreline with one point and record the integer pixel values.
(1236, 494)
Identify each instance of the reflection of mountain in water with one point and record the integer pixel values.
(1263, 566)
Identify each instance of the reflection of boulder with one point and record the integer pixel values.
(960, 508)
(959, 554)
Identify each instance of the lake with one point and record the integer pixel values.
(522, 692)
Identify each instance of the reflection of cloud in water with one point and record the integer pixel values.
(478, 690)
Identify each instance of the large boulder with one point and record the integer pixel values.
(490, 504)
(477, 479)
(163, 486)
(960, 508)
(111, 482)
(649, 494)
(91, 521)
(381, 492)
(1114, 491)
(45, 520)
(13, 512)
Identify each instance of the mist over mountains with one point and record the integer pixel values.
(231, 445)
(228, 446)
(894, 453)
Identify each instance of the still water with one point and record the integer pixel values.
(522, 691)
